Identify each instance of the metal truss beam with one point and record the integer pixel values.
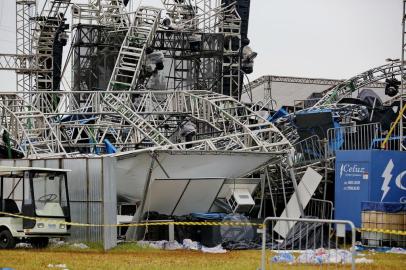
(351, 85)
(132, 53)
(29, 130)
(285, 79)
(153, 119)
(18, 63)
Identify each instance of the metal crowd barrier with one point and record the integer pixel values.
(308, 242)
(318, 208)
(352, 137)
(308, 151)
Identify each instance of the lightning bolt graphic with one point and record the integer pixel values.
(387, 176)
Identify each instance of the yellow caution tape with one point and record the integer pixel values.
(178, 223)
(395, 232)
(139, 224)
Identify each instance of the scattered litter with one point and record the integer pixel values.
(144, 244)
(56, 242)
(63, 266)
(318, 256)
(187, 244)
(172, 245)
(285, 257)
(79, 245)
(363, 260)
(156, 244)
(167, 245)
(309, 256)
(217, 249)
(23, 245)
(191, 245)
(59, 243)
(397, 250)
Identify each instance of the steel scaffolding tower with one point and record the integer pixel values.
(231, 28)
(25, 10)
(47, 42)
(192, 44)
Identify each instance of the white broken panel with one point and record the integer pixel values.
(306, 188)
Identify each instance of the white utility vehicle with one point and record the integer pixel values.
(39, 193)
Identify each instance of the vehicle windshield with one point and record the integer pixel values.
(50, 194)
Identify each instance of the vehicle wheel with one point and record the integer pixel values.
(40, 242)
(6, 239)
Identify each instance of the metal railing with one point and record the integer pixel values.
(305, 238)
(308, 151)
(318, 208)
(352, 137)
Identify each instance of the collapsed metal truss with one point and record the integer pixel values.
(99, 110)
(132, 55)
(223, 123)
(28, 130)
(154, 118)
(351, 85)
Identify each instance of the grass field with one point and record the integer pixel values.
(130, 256)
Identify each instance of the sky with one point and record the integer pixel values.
(334, 39)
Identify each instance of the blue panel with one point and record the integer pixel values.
(352, 180)
(373, 175)
(387, 207)
(389, 176)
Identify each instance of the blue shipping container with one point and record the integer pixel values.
(368, 175)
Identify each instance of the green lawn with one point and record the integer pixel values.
(130, 256)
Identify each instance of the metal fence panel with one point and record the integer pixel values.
(317, 208)
(308, 151)
(353, 137)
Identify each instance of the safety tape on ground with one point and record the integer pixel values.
(394, 232)
(140, 224)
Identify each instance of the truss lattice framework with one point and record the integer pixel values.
(222, 112)
(132, 53)
(349, 86)
(108, 13)
(21, 63)
(29, 130)
(191, 69)
(195, 15)
(25, 10)
(285, 79)
(153, 118)
(47, 25)
(232, 77)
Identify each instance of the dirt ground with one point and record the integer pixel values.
(131, 257)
